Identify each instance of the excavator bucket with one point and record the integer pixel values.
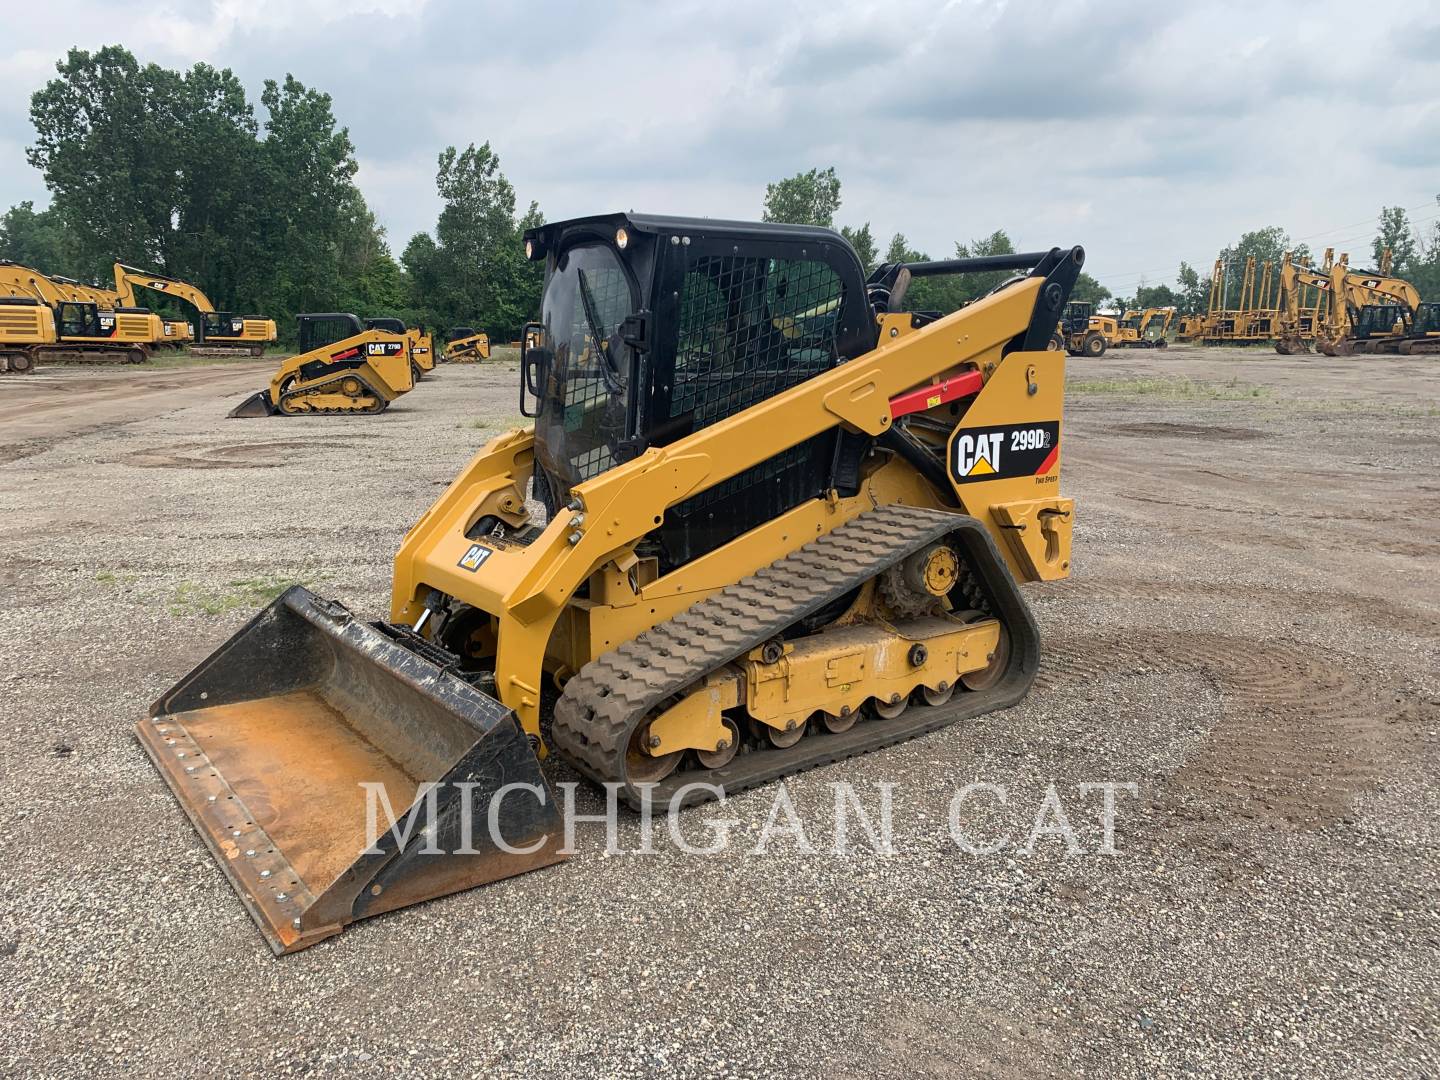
(257, 404)
(337, 773)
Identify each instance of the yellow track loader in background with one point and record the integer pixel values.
(784, 522)
(466, 345)
(41, 320)
(422, 351)
(342, 367)
(216, 333)
(412, 338)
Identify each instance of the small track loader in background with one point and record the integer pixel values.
(422, 351)
(783, 522)
(466, 345)
(412, 338)
(342, 367)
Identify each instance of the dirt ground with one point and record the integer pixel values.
(1249, 637)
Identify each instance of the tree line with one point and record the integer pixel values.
(177, 172)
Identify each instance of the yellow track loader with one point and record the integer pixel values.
(216, 333)
(466, 345)
(42, 320)
(342, 367)
(422, 351)
(782, 521)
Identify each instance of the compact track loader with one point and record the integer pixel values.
(342, 367)
(783, 522)
(466, 345)
(422, 352)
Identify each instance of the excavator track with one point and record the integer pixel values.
(602, 706)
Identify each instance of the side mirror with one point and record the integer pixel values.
(531, 363)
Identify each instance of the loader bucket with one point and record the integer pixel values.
(269, 745)
(257, 404)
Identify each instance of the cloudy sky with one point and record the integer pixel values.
(1146, 131)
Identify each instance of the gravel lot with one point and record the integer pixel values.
(1249, 637)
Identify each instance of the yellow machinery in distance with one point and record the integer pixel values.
(1085, 333)
(807, 545)
(41, 319)
(218, 333)
(422, 351)
(343, 367)
(466, 345)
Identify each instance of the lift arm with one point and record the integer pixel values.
(128, 278)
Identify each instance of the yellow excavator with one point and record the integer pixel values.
(42, 320)
(1300, 324)
(774, 520)
(176, 333)
(216, 333)
(344, 367)
(1353, 293)
(466, 345)
(1158, 327)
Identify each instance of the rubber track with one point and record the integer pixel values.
(324, 386)
(601, 706)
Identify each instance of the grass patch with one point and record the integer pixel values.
(507, 353)
(1179, 389)
(190, 598)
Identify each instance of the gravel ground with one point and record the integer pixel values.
(1249, 638)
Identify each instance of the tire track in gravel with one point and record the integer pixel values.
(1298, 739)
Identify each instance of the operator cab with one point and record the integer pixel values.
(656, 327)
(220, 324)
(1381, 320)
(321, 329)
(77, 319)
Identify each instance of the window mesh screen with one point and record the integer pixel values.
(591, 411)
(750, 328)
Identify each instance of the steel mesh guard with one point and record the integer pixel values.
(594, 413)
(750, 328)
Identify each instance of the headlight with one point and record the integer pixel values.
(529, 249)
(621, 238)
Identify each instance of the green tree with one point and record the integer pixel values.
(473, 271)
(1089, 290)
(1154, 296)
(1397, 236)
(1193, 291)
(808, 198)
(863, 241)
(138, 159)
(1265, 245)
(37, 239)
